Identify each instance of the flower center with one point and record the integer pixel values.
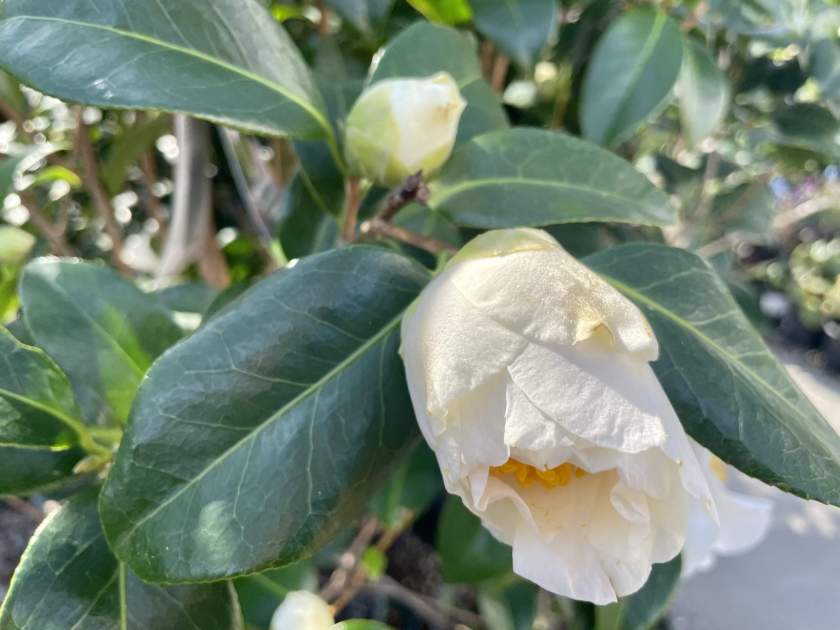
(525, 474)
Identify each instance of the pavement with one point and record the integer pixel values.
(791, 581)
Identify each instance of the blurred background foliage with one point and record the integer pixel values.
(736, 114)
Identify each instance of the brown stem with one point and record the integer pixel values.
(695, 17)
(499, 72)
(353, 200)
(377, 227)
(101, 200)
(438, 615)
(349, 562)
(52, 233)
(323, 19)
(412, 189)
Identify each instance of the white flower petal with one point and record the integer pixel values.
(615, 410)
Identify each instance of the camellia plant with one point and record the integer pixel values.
(477, 323)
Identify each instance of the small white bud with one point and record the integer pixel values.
(400, 126)
(302, 610)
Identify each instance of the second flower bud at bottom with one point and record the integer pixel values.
(525, 474)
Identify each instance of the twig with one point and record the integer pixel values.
(695, 17)
(323, 19)
(438, 615)
(348, 564)
(788, 218)
(351, 209)
(147, 168)
(54, 234)
(25, 507)
(499, 72)
(255, 218)
(377, 227)
(90, 177)
(412, 189)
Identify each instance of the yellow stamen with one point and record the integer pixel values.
(525, 474)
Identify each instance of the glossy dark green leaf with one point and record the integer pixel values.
(534, 177)
(188, 297)
(444, 49)
(37, 406)
(68, 578)
(412, 487)
(644, 608)
(127, 149)
(730, 393)
(632, 71)
(519, 27)
(444, 11)
(265, 432)
(365, 15)
(25, 470)
(703, 92)
(225, 60)
(261, 593)
(314, 201)
(100, 329)
(468, 552)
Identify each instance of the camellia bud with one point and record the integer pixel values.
(302, 610)
(400, 126)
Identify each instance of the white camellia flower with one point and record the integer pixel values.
(744, 520)
(400, 126)
(531, 382)
(302, 610)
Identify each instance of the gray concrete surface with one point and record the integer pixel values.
(791, 581)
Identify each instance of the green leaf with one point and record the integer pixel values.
(100, 329)
(468, 552)
(444, 11)
(413, 486)
(25, 471)
(227, 61)
(365, 15)
(37, 406)
(127, 149)
(704, 92)
(533, 177)
(12, 95)
(519, 27)
(748, 208)
(188, 297)
(314, 201)
(730, 393)
(15, 244)
(68, 578)
(444, 49)
(644, 608)
(265, 432)
(261, 593)
(632, 71)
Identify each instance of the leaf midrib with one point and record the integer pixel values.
(190, 52)
(313, 388)
(450, 191)
(743, 368)
(66, 420)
